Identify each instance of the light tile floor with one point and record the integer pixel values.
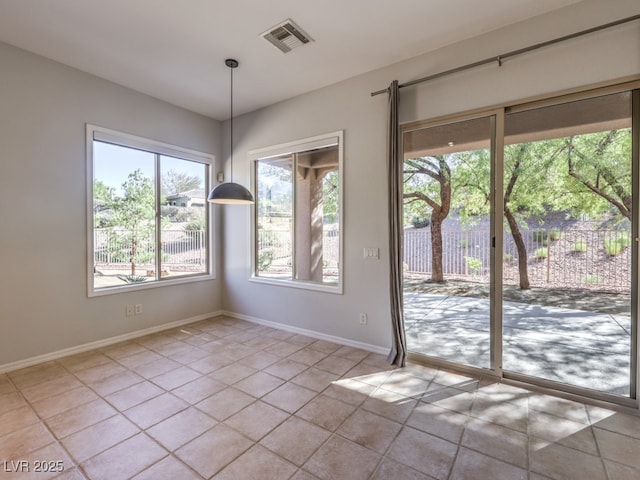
(228, 399)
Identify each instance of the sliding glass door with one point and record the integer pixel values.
(569, 210)
(521, 242)
(447, 240)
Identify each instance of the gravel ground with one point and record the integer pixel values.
(580, 299)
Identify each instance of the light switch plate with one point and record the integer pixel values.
(371, 253)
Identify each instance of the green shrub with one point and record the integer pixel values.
(265, 259)
(169, 211)
(612, 247)
(132, 278)
(540, 236)
(420, 222)
(544, 236)
(464, 244)
(474, 265)
(184, 214)
(195, 225)
(555, 235)
(580, 246)
(542, 252)
(507, 257)
(590, 280)
(623, 239)
(180, 214)
(615, 245)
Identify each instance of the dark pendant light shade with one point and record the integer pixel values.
(231, 193)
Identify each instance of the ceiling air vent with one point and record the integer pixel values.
(286, 36)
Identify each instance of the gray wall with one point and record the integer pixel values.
(44, 107)
(348, 106)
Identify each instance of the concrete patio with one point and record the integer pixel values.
(568, 345)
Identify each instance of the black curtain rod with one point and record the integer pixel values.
(499, 59)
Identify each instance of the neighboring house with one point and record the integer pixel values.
(190, 198)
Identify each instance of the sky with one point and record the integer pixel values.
(113, 163)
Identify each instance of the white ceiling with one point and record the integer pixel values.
(175, 49)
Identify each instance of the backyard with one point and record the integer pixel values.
(580, 257)
(552, 298)
(572, 325)
(183, 252)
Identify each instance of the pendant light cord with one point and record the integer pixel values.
(231, 126)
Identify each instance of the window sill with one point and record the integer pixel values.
(146, 286)
(326, 288)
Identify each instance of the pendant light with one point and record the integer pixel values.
(229, 192)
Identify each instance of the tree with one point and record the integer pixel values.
(102, 194)
(563, 175)
(428, 179)
(102, 200)
(516, 163)
(532, 187)
(471, 182)
(275, 189)
(331, 196)
(600, 164)
(176, 182)
(587, 173)
(133, 220)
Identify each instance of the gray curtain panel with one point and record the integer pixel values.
(398, 353)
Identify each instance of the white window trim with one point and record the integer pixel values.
(94, 132)
(290, 148)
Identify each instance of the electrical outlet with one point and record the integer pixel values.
(138, 309)
(129, 310)
(363, 319)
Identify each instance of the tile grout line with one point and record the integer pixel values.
(119, 412)
(385, 455)
(44, 424)
(334, 433)
(140, 429)
(459, 443)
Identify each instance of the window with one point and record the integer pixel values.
(148, 218)
(298, 213)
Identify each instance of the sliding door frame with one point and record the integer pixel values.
(497, 241)
(497, 115)
(496, 118)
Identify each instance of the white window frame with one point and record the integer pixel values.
(126, 140)
(291, 148)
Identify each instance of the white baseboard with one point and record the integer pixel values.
(310, 333)
(28, 362)
(8, 367)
